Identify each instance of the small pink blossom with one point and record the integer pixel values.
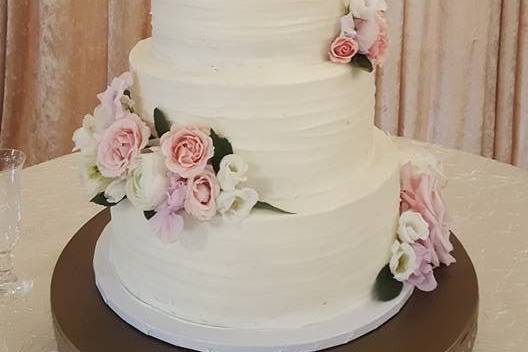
(169, 222)
(120, 144)
(378, 50)
(367, 33)
(202, 191)
(343, 49)
(423, 277)
(187, 150)
(113, 97)
(420, 193)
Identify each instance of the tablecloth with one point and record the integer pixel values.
(488, 202)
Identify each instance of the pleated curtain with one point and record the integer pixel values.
(456, 75)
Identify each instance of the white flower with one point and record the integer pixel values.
(236, 205)
(348, 26)
(94, 182)
(412, 227)
(116, 191)
(366, 9)
(232, 172)
(403, 261)
(84, 137)
(148, 182)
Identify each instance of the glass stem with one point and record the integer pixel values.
(6, 266)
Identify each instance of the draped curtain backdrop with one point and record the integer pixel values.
(456, 75)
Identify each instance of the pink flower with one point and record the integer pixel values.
(187, 150)
(343, 50)
(176, 193)
(167, 225)
(202, 191)
(168, 222)
(378, 50)
(423, 277)
(368, 31)
(120, 144)
(113, 98)
(420, 193)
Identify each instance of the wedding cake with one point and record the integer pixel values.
(248, 184)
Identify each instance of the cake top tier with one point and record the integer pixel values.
(232, 33)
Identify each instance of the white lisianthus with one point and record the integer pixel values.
(366, 9)
(412, 227)
(93, 180)
(403, 261)
(236, 205)
(84, 137)
(148, 182)
(116, 191)
(424, 162)
(233, 170)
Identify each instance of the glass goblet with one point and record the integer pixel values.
(11, 164)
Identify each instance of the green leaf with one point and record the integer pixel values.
(100, 199)
(387, 287)
(222, 148)
(363, 62)
(161, 122)
(267, 206)
(149, 214)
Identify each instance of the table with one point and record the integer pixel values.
(488, 202)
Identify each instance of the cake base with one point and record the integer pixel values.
(442, 321)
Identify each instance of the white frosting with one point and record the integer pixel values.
(270, 271)
(304, 130)
(233, 33)
(257, 72)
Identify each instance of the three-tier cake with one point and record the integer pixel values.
(259, 94)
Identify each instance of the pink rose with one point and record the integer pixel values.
(423, 277)
(114, 99)
(168, 222)
(202, 191)
(343, 50)
(120, 144)
(187, 150)
(378, 50)
(420, 193)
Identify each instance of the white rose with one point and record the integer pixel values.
(116, 191)
(424, 162)
(94, 182)
(403, 261)
(412, 227)
(232, 172)
(365, 9)
(236, 205)
(148, 182)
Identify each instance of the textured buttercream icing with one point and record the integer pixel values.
(257, 72)
(233, 33)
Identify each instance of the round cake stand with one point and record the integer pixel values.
(442, 321)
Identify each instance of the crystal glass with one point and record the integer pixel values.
(11, 164)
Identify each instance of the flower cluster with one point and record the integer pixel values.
(423, 242)
(363, 40)
(167, 173)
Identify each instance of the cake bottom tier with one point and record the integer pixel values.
(270, 271)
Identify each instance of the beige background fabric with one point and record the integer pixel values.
(457, 72)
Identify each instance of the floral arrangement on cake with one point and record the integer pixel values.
(170, 172)
(363, 39)
(423, 236)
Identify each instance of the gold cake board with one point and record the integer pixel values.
(442, 321)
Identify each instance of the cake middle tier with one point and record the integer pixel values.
(305, 130)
